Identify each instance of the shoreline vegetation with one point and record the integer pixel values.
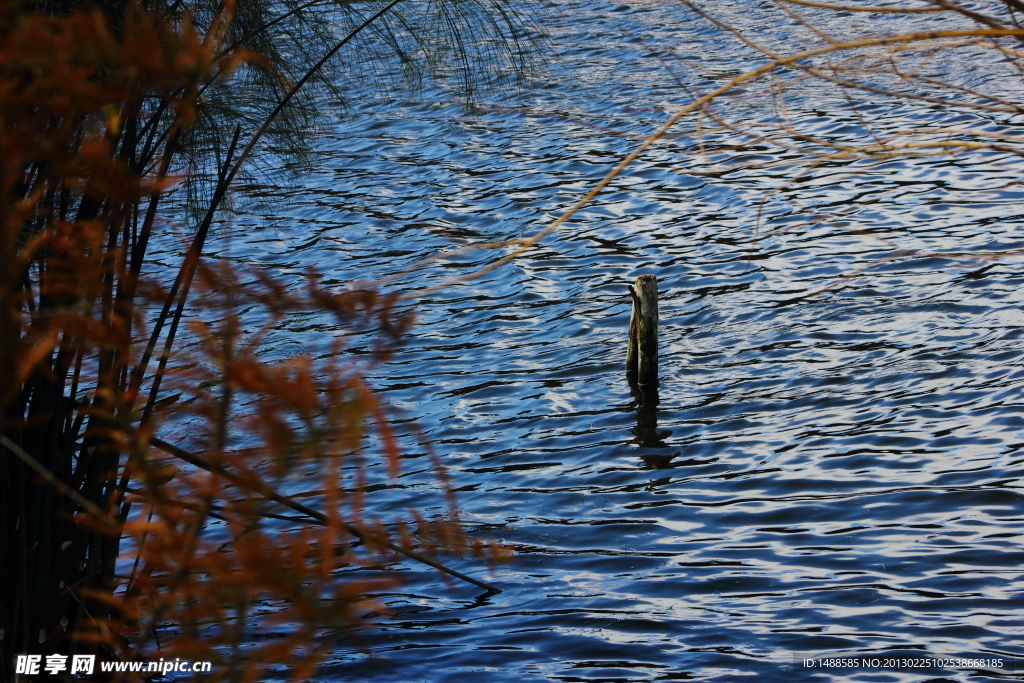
(110, 531)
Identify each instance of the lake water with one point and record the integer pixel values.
(834, 464)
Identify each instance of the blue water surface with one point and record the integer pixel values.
(833, 465)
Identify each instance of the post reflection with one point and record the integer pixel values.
(646, 431)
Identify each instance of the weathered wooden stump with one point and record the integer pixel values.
(642, 350)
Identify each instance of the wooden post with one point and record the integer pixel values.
(642, 350)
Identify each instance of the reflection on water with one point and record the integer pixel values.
(830, 473)
(648, 437)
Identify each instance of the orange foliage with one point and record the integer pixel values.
(83, 94)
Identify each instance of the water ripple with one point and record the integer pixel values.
(834, 466)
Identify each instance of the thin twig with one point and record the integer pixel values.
(699, 104)
(46, 474)
(266, 492)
